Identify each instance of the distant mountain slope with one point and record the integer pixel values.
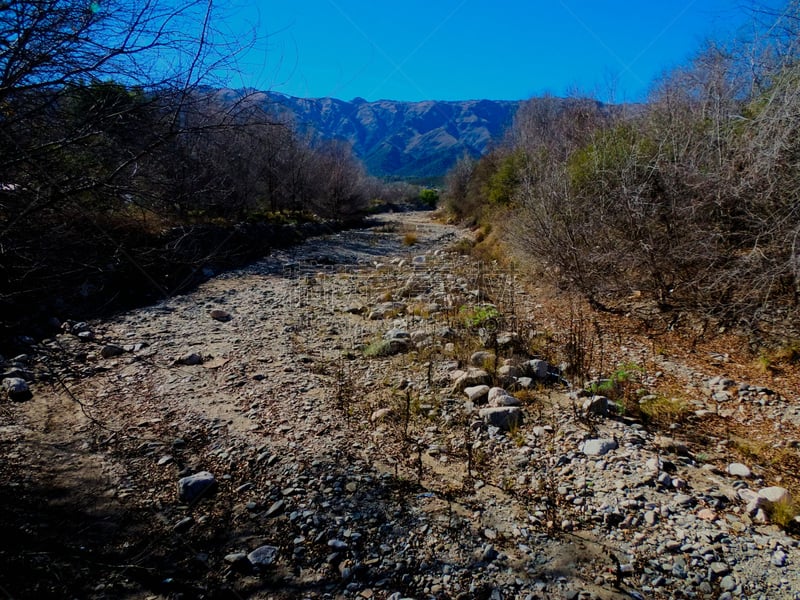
(401, 139)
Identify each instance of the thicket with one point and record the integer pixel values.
(120, 151)
(691, 200)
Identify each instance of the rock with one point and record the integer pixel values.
(380, 415)
(220, 315)
(17, 389)
(538, 369)
(263, 557)
(596, 405)
(524, 383)
(194, 487)
(779, 558)
(728, 584)
(508, 373)
(599, 447)
(489, 553)
(237, 560)
(500, 397)
(739, 470)
(473, 377)
(396, 334)
(482, 359)
(183, 525)
(719, 569)
(505, 418)
(189, 359)
(477, 394)
(111, 350)
(276, 509)
(769, 496)
(386, 310)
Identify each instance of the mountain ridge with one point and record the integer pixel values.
(399, 139)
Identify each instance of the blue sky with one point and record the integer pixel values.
(468, 49)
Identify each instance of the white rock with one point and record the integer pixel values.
(477, 393)
(599, 447)
(739, 470)
(769, 496)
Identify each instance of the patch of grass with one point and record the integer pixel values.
(410, 238)
(751, 449)
(789, 352)
(478, 315)
(782, 513)
(463, 246)
(377, 349)
(418, 309)
(663, 411)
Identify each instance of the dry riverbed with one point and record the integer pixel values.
(315, 426)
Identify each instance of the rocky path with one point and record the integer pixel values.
(354, 419)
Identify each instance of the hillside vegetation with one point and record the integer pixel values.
(123, 173)
(687, 204)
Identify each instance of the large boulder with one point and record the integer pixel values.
(17, 389)
(538, 369)
(195, 487)
(471, 378)
(506, 417)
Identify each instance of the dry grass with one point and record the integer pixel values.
(410, 238)
(663, 412)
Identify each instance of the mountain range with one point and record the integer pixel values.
(400, 140)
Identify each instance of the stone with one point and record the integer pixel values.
(236, 558)
(477, 394)
(276, 509)
(499, 397)
(386, 310)
(220, 315)
(183, 525)
(190, 359)
(471, 378)
(719, 569)
(263, 557)
(396, 334)
(524, 383)
(195, 487)
(489, 553)
(380, 415)
(596, 405)
(505, 418)
(739, 470)
(599, 447)
(538, 369)
(17, 389)
(482, 359)
(728, 584)
(779, 558)
(337, 544)
(111, 351)
(508, 373)
(770, 496)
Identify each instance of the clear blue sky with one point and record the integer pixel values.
(467, 49)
